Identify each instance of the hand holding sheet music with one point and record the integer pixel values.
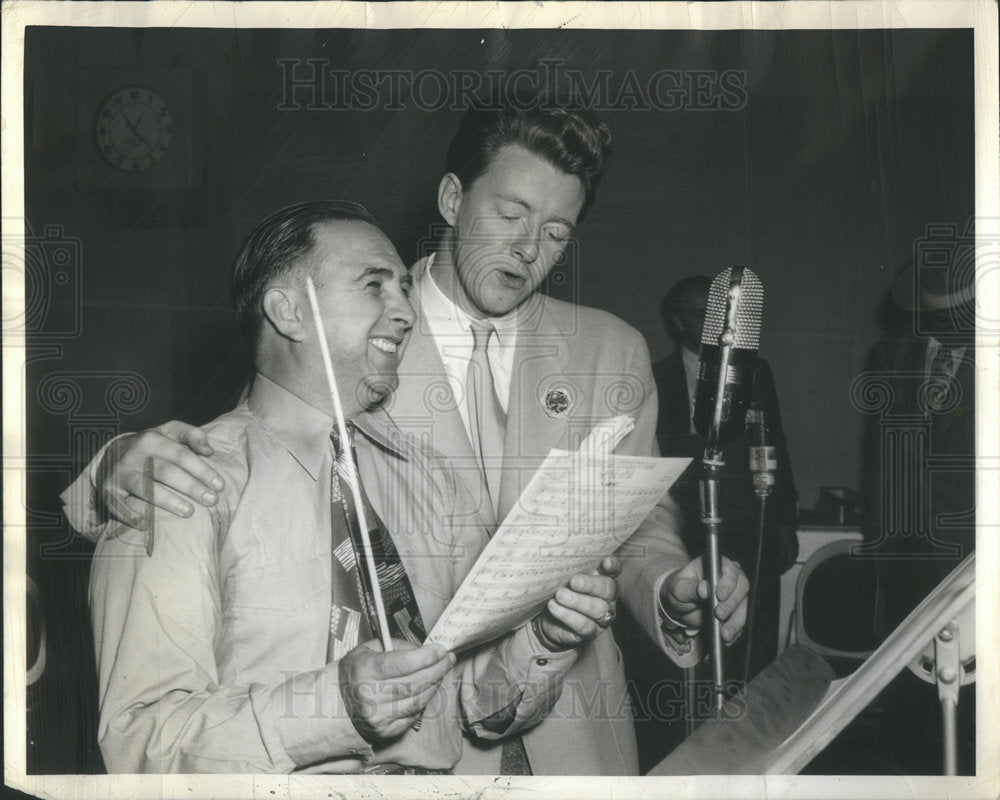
(578, 508)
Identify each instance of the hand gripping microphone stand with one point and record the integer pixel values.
(724, 406)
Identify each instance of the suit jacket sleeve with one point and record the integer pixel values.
(655, 549)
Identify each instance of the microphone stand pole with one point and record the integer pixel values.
(712, 465)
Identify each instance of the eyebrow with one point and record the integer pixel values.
(381, 272)
(518, 201)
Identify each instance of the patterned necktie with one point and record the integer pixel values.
(487, 420)
(350, 578)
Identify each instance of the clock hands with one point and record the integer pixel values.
(134, 127)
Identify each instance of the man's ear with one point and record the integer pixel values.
(284, 309)
(450, 198)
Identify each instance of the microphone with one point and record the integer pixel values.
(732, 327)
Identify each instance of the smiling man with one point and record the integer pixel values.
(246, 640)
(496, 375)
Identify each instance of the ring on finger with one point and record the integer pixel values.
(608, 618)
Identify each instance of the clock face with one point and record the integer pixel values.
(134, 128)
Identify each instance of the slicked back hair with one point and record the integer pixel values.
(567, 135)
(278, 246)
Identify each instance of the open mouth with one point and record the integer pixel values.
(385, 345)
(511, 279)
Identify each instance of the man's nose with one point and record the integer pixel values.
(526, 245)
(401, 311)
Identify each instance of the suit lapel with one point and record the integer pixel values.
(425, 406)
(424, 403)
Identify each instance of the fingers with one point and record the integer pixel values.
(581, 627)
(732, 596)
(610, 566)
(687, 589)
(168, 476)
(598, 586)
(179, 476)
(735, 622)
(386, 692)
(190, 435)
(180, 469)
(420, 666)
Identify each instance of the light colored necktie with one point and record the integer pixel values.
(487, 425)
(487, 420)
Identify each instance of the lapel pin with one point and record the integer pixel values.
(556, 402)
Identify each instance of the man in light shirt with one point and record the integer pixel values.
(245, 638)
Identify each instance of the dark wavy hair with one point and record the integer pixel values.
(563, 132)
(278, 246)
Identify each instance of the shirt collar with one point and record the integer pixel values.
(447, 316)
(304, 431)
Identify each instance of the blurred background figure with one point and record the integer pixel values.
(919, 481)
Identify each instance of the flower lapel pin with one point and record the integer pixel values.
(556, 402)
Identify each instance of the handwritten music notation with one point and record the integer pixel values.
(578, 508)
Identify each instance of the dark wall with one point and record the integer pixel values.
(817, 158)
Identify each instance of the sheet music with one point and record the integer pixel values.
(578, 508)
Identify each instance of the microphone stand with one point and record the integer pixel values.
(712, 465)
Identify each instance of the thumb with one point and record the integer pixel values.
(190, 435)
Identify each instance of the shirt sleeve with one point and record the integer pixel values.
(80, 504)
(163, 707)
(655, 550)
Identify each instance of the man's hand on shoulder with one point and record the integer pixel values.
(179, 473)
(385, 693)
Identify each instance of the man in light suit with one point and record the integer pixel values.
(518, 180)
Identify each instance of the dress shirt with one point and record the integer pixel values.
(449, 325)
(212, 652)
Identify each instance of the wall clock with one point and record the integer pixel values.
(140, 130)
(134, 128)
